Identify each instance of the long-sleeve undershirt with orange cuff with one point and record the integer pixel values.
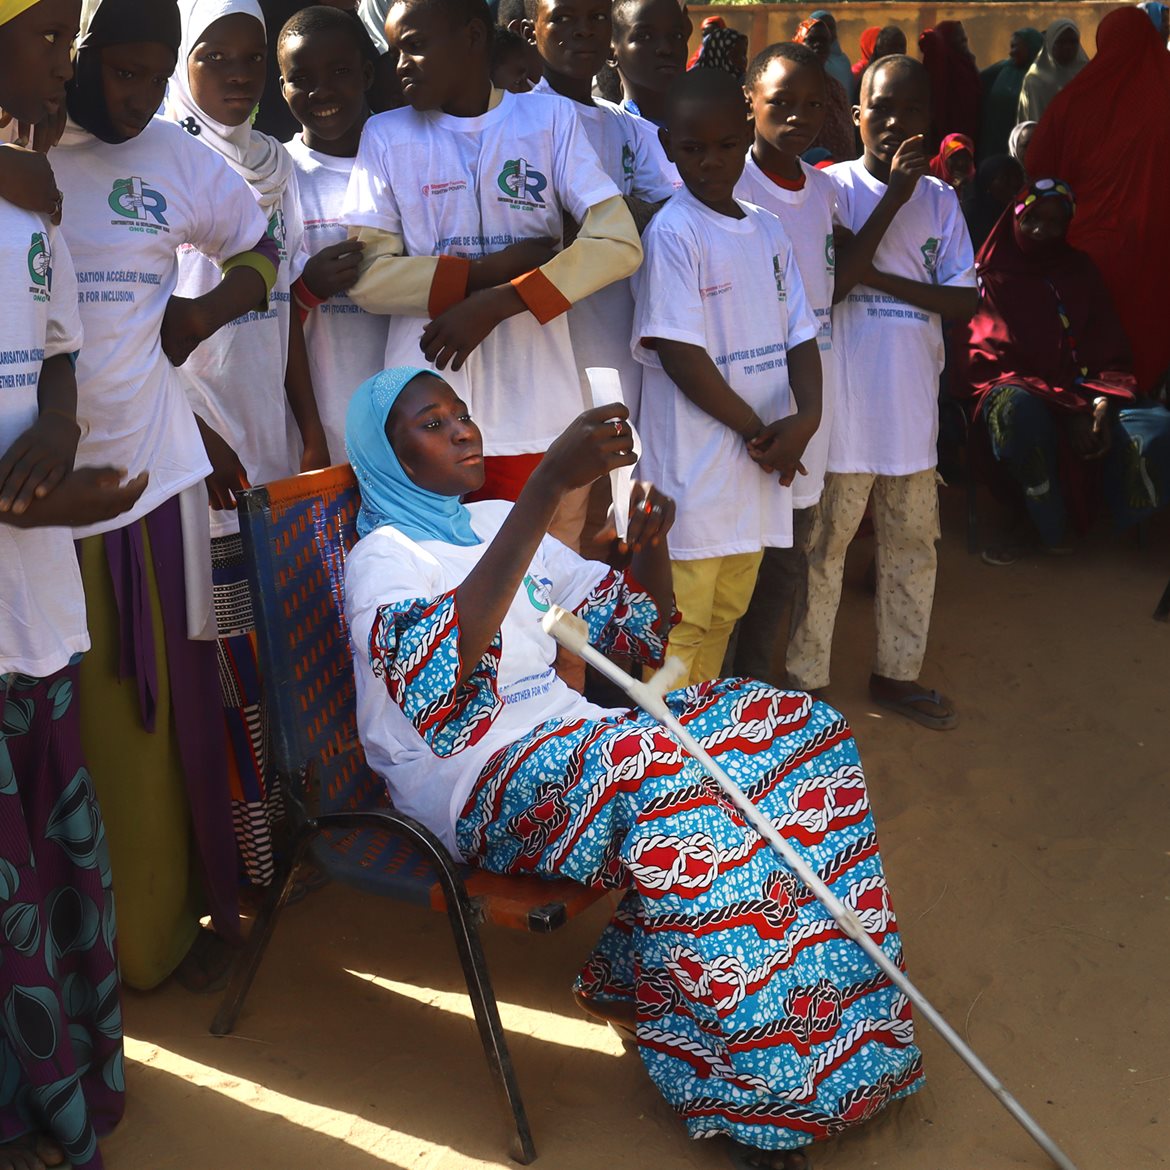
(263, 258)
(607, 248)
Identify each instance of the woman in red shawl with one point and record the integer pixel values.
(837, 134)
(955, 162)
(1048, 366)
(1119, 165)
(955, 88)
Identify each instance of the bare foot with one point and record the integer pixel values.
(21, 1155)
(621, 1016)
(49, 1152)
(771, 1159)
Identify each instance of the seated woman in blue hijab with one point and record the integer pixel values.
(755, 1016)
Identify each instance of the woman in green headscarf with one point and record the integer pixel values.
(1001, 91)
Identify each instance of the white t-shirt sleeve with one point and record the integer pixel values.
(391, 569)
(370, 201)
(802, 322)
(653, 181)
(956, 257)
(573, 578)
(295, 243)
(580, 180)
(226, 218)
(63, 333)
(669, 304)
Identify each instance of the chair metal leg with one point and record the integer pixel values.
(465, 931)
(249, 959)
(1162, 612)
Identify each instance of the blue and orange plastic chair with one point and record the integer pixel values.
(296, 534)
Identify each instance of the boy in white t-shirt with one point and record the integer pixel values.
(888, 338)
(460, 198)
(325, 76)
(573, 39)
(785, 86)
(728, 342)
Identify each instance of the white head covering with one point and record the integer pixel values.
(260, 159)
(1045, 79)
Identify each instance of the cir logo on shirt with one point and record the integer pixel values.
(522, 183)
(138, 205)
(930, 254)
(778, 273)
(830, 253)
(40, 267)
(278, 230)
(539, 591)
(627, 162)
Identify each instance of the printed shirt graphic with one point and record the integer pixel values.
(808, 216)
(598, 325)
(890, 354)
(468, 187)
(130, 207)
(711, 281)
(251, 352)
(42, 608)
(346, 344)
(387, 566)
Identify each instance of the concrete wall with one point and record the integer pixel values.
(989, 26)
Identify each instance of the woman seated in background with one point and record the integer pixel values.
(1049, 368)
(755, 1016)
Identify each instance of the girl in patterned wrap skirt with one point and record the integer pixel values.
(754, 1015)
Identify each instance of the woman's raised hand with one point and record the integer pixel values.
(591, 446)
(651, 517)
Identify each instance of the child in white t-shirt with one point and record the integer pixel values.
(888, 338)
(785, 85)
(325, 75)
(251, 381)
(729, 343)
(460, 198)
(573, 39)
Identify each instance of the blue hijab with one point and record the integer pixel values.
(389, 495)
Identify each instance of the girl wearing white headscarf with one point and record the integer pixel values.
(1057, 63)
(251, 382)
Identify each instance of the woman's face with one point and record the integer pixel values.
(1019, 52)
(226, 68)
(436, 442)
(134, 82)
(1064, 48)
(1024, 140)
(1045, 222)
(34, 49)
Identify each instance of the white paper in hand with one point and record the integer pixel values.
(605, 386)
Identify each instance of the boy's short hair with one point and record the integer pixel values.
(509, 10)
(889, 41)
(318, 18)
(709, 86)
(504, 43)
(462, 11)
(897, 61)
(620, 13)
(782, 51)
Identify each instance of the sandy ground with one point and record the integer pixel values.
(1028, 854)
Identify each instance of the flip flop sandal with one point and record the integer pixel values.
(904, 705)
(309, 879)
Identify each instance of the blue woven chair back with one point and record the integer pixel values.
(300, 531)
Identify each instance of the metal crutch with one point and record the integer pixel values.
(572, 633)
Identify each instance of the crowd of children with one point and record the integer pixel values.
(190, 305)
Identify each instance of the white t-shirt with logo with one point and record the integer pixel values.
(42, 606)
(600, 324)
(468, 187)
(808, 216)
(890, 353)
(346, 344)
(385, 567)
(130, 207)
(731, 286)
(235, 379)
